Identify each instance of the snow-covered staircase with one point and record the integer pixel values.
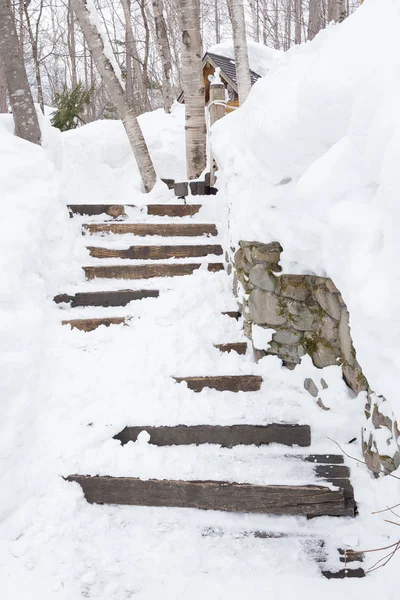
(323, 486)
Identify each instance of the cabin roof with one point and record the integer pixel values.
(228, 70)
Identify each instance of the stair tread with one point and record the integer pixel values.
(234, 383)
(105, 298)
(117, 210)
(310, 500)
(238, 347)
(147, 270)
(157, 252)
(226, 436)
(153, 229)
(90, 324)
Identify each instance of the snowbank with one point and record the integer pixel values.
(261, 58)
(312, 159)
(33, 245)
(101, 166)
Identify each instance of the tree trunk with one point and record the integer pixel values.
(255, 19)
(3, 91)
(236, 13)
(24, 112)
(193, 88)
(146, 56)
(297, 21)
(316, 18)
(217, 23)
(165, 54)
(337, 10)
(139, 99)
(117, 94)
(35, 50)
(72, 45)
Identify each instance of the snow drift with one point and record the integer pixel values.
(311, 161)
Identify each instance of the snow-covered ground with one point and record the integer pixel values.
(66, 393)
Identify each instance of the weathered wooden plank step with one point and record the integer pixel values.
(332, 471)
(213, 495)
(330, 459)
(117, 210)
(238, 347)
(225, 436)
(157, 252)
(344, 574)
(222, 383)
(147, 271)
(92, 324)
(149, 229)
(105, 299)
(233, 314)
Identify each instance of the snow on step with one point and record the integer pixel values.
(147, 271)
(238, 347)
(106, 298)
(310, 500)
(152, 229)
(92, 324)
(156, 252)
(118, 210)
(225, 436)
(231, 383)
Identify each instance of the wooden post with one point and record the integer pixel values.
(217, 111)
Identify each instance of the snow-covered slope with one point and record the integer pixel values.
(312, 159)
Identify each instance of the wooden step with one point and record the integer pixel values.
(309, 500)
(160, 229)
(117, 210)
(147, 271)
(233, 314)
(105, 299)
(344, 574)
(225, 436)
(156, 252)
(238, 347)
(222, 383)
(92, 324)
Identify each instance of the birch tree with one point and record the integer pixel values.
(316, 18)
(117, 94)
(193, 88)
(236, 13)
(3, 91)
(23, 109)
(135, 88)
(165, 54)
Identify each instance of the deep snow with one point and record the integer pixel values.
(66, 393)
(311, 160)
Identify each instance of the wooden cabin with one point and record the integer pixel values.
(227, 74)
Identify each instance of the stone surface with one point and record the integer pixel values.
(262, 278)
(324, 356)
(311, 388)
(286, 353)
(328, 302)
(301, 317)
(310, 317)
(295, 287)
(265, 309)
(345, 341)
(287, 337)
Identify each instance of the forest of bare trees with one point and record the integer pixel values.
(145, 38)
